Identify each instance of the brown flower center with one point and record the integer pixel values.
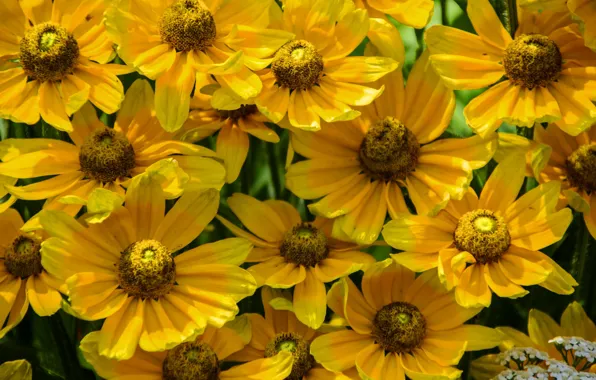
(191, 361)
(300, 349)
(297, 65)
(483, 234)
(188, 25)
(146, 269)
(242, 112)
(48, 52)
(304, 245)
(106, 156)
(581, 168)
(389, 151)
(22, 258)
(399, 327)
(532, 60)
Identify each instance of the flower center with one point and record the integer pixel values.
(191, 361)
(297, 65)
(146, 269)
(300, 349)
(581, 168)
(532, 60)
(188, 25)
(22, 258)
(242, 112)
(106, 155)
(399, 327)
(389, 151)
(483, 234)
(304, 245)
(48, 52)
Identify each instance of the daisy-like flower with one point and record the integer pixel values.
(359, 167)
(312, 77)
(541, 329)
(292, 252)
(570, 160)
(198, 359)
(582, 11)
(172, 41)
(400, 326)
(280, 331)
(414, 13)
(126, 269)
(54, 57)
(23, 279)
(104, 157)
(549, 72)
(234, 126)
(491, 243)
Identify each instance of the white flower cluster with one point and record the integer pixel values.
(579, 347)
(522, 355)
(549, 370)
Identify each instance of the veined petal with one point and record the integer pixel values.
(542, 232)
(337, 351)
(310, 302)
(419, 233)
(172, 93)
(487, 24)
(472, 290)
(52, 108)
(359, 69)
(503, 185)
(465, 73)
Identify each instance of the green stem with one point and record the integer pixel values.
(580, 255)
(420, 39)
(444, 12)
(274, 167)
(512, 16)
(68, 354)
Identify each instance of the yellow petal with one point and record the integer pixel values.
(310, 303)
(16, 370)
(172, 94)
(472, 290)
(43, 299)
(503, 185)
(487, 24)
(51, 107)
(337, 351)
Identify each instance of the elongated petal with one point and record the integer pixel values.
(172, 94)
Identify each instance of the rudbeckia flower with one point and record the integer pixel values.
(582, 11)
(549, 72)
(414, 13)
(234, 124)
(126, 269)
(572, 161)
(54, 57)
(400, 326)
(292, 252)
(104, 157)
(201, 358)
(172, 41)
(280, 331)
(541, 329)
(312, 77)
(359, 167)
(23, 279)
(491, 243)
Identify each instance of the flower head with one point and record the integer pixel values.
(126, 269)
(311, 77)
(358, 168)
(489, 243)
(55, 56)
(546, 67)
(292, 252)
(23, 279)
(401, 325)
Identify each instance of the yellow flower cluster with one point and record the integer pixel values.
(135, 88)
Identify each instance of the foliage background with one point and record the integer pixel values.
(50, 343)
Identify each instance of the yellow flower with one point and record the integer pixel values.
(414, 13)
(549, 73)
(292, 252)
(197, 359)
(400, 326)
(280, 331)
(491, 243)
(16, 370)
(234, 125)
(541, 329)
(172, 41)
(358, 167)
(23, 279)
(582, 11)
(54, 57)
(102, 156)
(570, 160)
(312, 77)
(126, 269)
